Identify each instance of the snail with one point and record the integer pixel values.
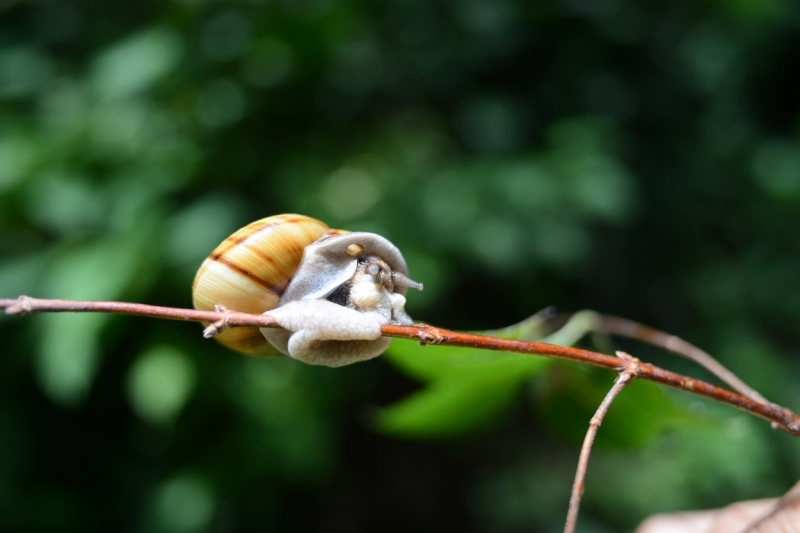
(330, 290)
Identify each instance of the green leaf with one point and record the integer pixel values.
(448, 408)
(469, 388)
(569, 397)
(427, 363)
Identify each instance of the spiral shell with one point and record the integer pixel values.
(329, 291)
(250, 271)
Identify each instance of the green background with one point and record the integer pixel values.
(639, 159)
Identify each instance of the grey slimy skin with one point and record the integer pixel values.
(333, 309)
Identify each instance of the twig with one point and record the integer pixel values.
(233, 319)
(631, 370)
(780, 417)
(628, 328)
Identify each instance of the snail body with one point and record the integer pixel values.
(330, 290)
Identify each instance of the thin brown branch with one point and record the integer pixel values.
(779, 416)
(25, 305)
(633, 330)
(631, 371)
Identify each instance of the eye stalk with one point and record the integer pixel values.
(382, 274)
(401, 280)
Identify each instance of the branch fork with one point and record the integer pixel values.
(429, 335)
(23, 306)
(218, 326)
(627, 373)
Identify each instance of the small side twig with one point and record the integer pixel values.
(218, 326)
(630, 371)
(634, 330)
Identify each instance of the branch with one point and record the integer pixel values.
(631, 371)
(230, 319)
(628, 328)
(780, 417)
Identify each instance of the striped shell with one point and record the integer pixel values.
(250, 271)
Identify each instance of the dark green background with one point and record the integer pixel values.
(640, 159)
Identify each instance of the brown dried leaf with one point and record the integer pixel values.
(728, 519)
(784, 518)
(754, 516)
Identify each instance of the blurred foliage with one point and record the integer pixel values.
(634, 158)
(468, 388)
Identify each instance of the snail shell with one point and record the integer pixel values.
(330, 289)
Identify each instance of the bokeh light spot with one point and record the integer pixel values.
(221, 103)
(269, 63)
(350, 192)
(776, 166)
(23, 71)
(159, 384)
(498, 242)
(225, 36)
(17, 157)
(490, 124)
(451, 204)
(136, 63)
(183, 504)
